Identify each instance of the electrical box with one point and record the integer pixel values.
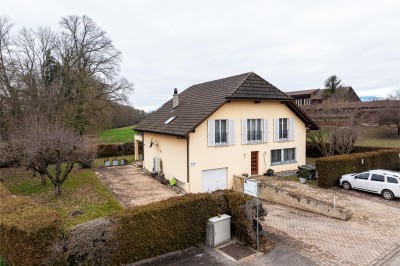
(156, 165)
(218, 230)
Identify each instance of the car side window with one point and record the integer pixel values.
(379, 178)
(363, 176)
(393, 180)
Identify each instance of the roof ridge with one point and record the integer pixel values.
(246, 74)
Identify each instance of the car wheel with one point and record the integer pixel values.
(387, 194)
(346, 185)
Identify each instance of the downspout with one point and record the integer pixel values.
(187, 161)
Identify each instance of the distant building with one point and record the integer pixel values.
(315, 96)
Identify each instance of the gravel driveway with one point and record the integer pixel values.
(132, 187)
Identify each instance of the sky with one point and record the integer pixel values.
(294, 45)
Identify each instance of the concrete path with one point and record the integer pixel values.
(132, 187)
(205, 255)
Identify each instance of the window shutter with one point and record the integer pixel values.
(231, 134)
(276, 129)
(265, 130)
(211, 133)
(244, 131)
(291, 128)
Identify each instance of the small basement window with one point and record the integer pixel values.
(169, 120)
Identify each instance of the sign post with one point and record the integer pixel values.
(250, 187)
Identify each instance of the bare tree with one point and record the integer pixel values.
(50, 149)
(390, 114)
(339, 131)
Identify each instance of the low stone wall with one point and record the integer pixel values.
(282, 196)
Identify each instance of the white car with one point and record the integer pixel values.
(384, 182)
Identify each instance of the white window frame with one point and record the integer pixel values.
(220, 132)
(258, 129)
(278, 128)
(282, 154)
(230, 132)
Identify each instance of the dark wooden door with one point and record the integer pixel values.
(254, 162)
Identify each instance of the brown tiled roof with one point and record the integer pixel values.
(199, 101)
(303, 92)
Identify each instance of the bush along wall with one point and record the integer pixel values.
(331, 168)
(130, 235)
(27, 231)
(110, 150)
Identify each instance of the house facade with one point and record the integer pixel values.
(214, 130)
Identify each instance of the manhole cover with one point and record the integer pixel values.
(237, 251)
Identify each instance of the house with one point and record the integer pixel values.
(217, 129)
(316, 96)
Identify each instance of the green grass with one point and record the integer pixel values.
(378, 137)
(82, 191)
(99, 162)
(116, 135)
(2, 263)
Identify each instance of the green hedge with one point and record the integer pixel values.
(331, 168)
(110, 150)
(27, 231)
(166, 226)
(313, 152)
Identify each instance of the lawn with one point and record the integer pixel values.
(375, 136)
(116, 135)
(82, 191)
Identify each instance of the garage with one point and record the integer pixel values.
(214, 179)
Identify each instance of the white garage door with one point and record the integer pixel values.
(214, 179)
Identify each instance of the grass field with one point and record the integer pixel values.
(82, 191)
(116, 135)
(378, 137)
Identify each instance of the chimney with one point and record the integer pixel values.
(175, 99)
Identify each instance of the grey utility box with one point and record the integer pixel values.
(218, 230)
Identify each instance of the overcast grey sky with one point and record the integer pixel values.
(294, 45)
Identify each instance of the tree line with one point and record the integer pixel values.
(56, 86)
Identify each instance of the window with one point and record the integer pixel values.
(379, 178)
(169, 120)
(363, 176)
(392, 180)
(283, 156)
(254, 130)
(283, 128)
(221, 132)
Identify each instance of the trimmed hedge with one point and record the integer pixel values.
(165, 226)
(331, 168)
(27, 231)
(110, 150)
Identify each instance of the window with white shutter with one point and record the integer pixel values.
(265, 130)
(291, 128)
(211, 133)
(244, 131)
(232, 133)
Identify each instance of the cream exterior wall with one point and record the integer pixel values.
(237, 157)
(173, 154)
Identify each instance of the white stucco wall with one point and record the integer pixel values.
(173, 154)
(237, 157)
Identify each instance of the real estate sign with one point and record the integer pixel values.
(250, 187)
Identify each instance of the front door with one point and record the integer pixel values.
(254, 163)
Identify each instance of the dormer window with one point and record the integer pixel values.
(170, 120)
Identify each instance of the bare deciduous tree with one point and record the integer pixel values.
(47, 148)
(390, 115)
(340, 127)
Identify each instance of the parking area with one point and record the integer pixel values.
(370, 237)
(132, 187)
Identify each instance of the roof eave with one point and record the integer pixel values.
(258, 98)
(161, 132)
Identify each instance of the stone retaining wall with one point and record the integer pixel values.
(282, 196)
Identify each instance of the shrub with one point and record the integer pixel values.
(166, 226)
(27, 231)
(110, 150)
(312, 150)
(331, 168)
